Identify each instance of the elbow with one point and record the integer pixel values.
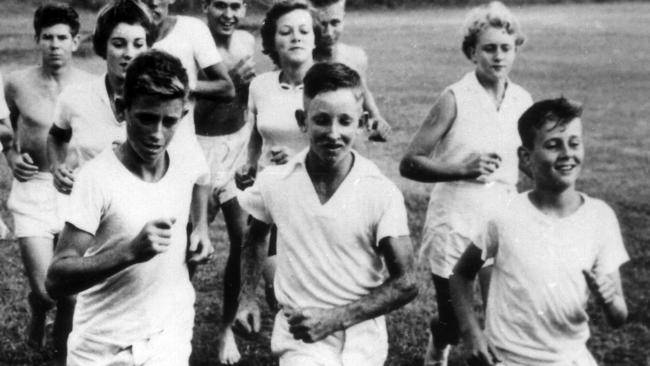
(408, 288)
(53, 287)
(406, 167)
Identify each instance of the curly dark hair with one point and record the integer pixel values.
(116, 12)
(51, 14)
(271, 21)
(157, 73)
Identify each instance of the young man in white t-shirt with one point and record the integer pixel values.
(343, 252)
(551, 247)
(31, 94)
(331, 14)
(123, 248)
(223, 134)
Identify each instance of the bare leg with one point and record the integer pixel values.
(62, 328)
(235, 222)
(269, 271)
(444, 328)
(37, 254)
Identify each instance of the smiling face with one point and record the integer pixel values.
(158, 9)
(556, 157)
(150, 125)
(494, 54)
(332, 22)
(332, 122)
(224, 15)
(123, 45)
(57, 45)
(294, 37)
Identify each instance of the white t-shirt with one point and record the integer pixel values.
(86, 110)
(273, 106)
(538, 294)
(112, 204)
(327, 253)
(190, 40)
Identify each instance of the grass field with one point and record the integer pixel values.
(597, 54)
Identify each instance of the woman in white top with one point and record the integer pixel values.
(85, 120)
(467, 146)
(289, 36)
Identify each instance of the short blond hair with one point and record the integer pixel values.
(494, 14)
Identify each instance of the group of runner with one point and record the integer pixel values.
(118, 176)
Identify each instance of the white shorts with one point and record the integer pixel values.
(363, 344)
(224, 155)
(167, 348)
(458, 213)
(36, 207)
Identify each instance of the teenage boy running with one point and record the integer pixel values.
(344, 254)
(223, 135)
(123, 247)
(31, 95)
(331, 14)
(551, 247)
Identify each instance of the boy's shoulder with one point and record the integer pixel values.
(22, 78)
(353, 56)
(243, 36)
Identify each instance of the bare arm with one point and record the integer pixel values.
(21, 164)
(200, 246)
(57, 151)
(71, 272)
(418, 164)
(608, 291)
(245, 176)
(254, 252)
(311, 324)
(219, 86)
(461, 285)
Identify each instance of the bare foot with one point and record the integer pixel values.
(227, 347)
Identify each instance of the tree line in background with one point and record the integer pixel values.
(261, 5)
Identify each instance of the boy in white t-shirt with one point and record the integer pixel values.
(551, 246)
(343, 251)
(124, 244)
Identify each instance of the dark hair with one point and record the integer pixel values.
(114, 13)
(494, 14)
(558, 111)
(324, 3)
(155, 73)
(51, 14)
(330, 76)
(269, 26)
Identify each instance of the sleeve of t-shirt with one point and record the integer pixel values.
(612, 253)
(205, 51)
(393, 220)
(252, 201)
(488, 241)
(4, 110)
(87, 201)
(62, 112)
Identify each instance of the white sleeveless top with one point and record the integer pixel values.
(480, 127)
(273, 105)
(458, 210)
